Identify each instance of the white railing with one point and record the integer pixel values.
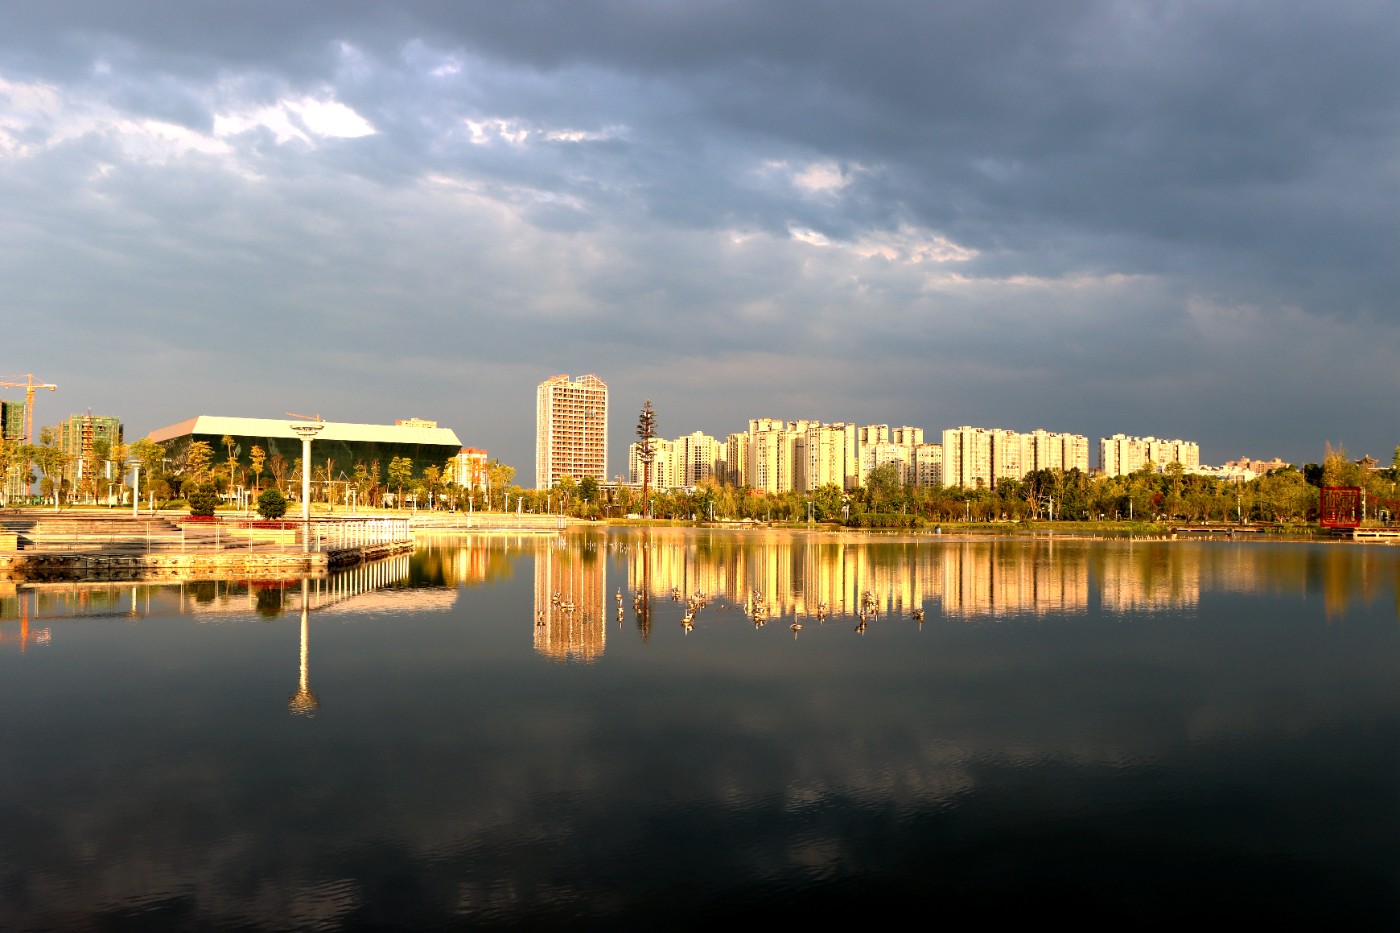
(284, 535)
(361, 532)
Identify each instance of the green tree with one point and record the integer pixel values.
(149, 453)
(883, 490)
(52, 461)
(567, 488)
(588, 488)
(203, 499)
(232, 447)
(646, 450)
(272, 504)
(1337, 470)
(400, 473)
(278, 465)
(432, 480)
(198, 456)
(1286, 494)
(257, 457)
(498, 477)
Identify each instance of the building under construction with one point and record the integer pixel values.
(87, 442)
(12, 420)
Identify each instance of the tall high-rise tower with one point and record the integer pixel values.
(571, 430)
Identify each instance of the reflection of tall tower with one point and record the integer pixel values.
(570, 586)
(303, 702)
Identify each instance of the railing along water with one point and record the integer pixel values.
(361, 532)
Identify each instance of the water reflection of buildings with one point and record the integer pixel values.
(1153, 576)
(792, 575)
(783, 575)
(571, 584)
(994, 578)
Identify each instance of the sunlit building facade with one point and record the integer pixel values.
(469, 468)
(1120, 454)
(571, 430)
(928, 465)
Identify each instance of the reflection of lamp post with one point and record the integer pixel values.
(304, 702)
(306, 432)
(135, 486)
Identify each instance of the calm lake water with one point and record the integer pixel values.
(524, 732)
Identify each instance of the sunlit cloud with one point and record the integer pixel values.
(301, 119)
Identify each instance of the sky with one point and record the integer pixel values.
(1155, 218)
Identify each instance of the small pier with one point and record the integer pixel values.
(1228, 531)
(1375, 534)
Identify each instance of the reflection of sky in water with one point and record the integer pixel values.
(1209, 719)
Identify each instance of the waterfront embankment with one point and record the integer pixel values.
(104, 545)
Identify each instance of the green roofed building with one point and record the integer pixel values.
(342, 443)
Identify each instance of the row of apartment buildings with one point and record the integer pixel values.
(801, 456)
(782, 456)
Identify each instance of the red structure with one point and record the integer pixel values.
(1340, 507)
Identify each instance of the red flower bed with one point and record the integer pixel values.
(199, 519)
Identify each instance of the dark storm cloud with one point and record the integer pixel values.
(1091, 217)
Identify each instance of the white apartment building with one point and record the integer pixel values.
(1121, 454)
(571, 430)
(967, 457)
(873, 434)
(664, 464)
(736, 459)
(700, 457)
(906, 436)
(874, 456)
(928, 465)
(772, 455)
(829, 453)
(876, 435)
(974, 457)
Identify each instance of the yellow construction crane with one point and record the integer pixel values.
(29, 385)
(316, 418)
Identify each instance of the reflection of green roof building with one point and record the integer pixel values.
(342, 443)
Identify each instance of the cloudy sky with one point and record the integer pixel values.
(1167, 218)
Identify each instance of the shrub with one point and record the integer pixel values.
(272, 504)
(885, 520)
(203, 500)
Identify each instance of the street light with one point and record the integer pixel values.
(306, 432)
(135, 486)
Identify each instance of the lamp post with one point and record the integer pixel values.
(306, 432)
(135, 486)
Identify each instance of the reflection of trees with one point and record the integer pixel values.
(458, 561)
(269, 602)
(641, 600)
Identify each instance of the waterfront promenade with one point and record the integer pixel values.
(107, 544)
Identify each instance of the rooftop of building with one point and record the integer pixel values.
(218, 426)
